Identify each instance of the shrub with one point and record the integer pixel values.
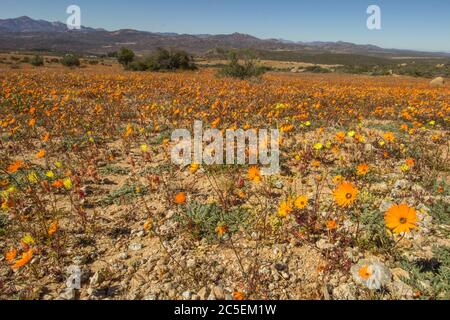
(317, 69)
(37, 61)
(137, 66)
(430, 276)
(164, 60)
(112, 54)
(70, 60)
(242, 71)
(202, 220)
(125, 56)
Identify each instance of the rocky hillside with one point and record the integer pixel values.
(24, 33)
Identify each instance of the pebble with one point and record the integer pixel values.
(186, 295)
(123, 255)
(135, 246)
(191, 263)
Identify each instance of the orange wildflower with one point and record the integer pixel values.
(331, 224)
(362, 169)
(285, 208)
(401, 218)
(26, 257)
(301, 202)
(45, 137)
(53, 228)
(254, 174)
(40, 154)
(340, 137)
(410, 162)
(58, 184)
(237, 295)
(221, 230)
(180, 198)
(11, 255)
(389, 136)
(148, 224)
(14, 167)
(345, 194)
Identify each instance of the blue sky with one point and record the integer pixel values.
(410, 24)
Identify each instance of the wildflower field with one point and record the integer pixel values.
(360, 209)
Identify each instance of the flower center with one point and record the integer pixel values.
(348, 195)
(403, 220)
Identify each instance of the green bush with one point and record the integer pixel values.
(70, 60)
(125, 56)
(37, 61)
(137, 66)
(419, 69)
(164, 60)
(317, 69)
(234, 69)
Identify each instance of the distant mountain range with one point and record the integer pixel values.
(26, 34)
(26, 24)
